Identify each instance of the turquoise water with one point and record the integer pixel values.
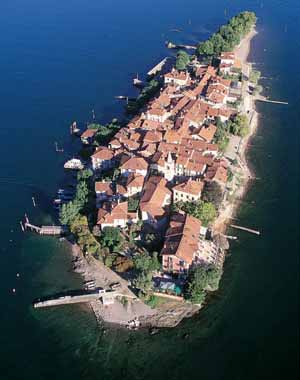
(61, 59)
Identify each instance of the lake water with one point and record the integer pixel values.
(61, 59)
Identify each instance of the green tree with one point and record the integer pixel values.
(143, 281)
(204, 211)
(197, 282)
(213, 193)
(147, 263)
(111, 238)
(84, 174)
(228, 36)
(239, 125)
(182, 60)
(68, 213)
(213, 277)
(254, 76)
(82, 192)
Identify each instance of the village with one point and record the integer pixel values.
(155, 194)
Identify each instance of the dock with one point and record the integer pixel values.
(245, 229)
(157, 68)
(46, 230)
(106, 297)
(266, 100)
(170, 45)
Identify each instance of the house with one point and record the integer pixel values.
(103, 190)
(180, 78)
(227, 57)
(136, 165)
(113, 214)
(217, 172)
(207, 132)
(103, 158)
(157, 114)
(88, 136)
(181, 243)
(183, 246)
(130, 185)
(154, 201)
(187, 191)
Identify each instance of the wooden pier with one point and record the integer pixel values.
(46, 230)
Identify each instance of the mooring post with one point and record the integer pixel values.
(22, 227)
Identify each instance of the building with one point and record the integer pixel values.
(113, 214)
(207, 133)
(187, 191)
(88, 136)
(130, 185)
(180, 78)
(103, 158)
(135, 165)
(103, 190)
(184, 247)
(217, 172)
(154, 201)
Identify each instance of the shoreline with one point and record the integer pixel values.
(169, 314)
(221, 224)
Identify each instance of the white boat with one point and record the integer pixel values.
(74, 164)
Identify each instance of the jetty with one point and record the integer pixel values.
(157, 68)
(170, 45)
(266, 100)
(245, 229)
(106, 297)
(138, 82)
(46, 230)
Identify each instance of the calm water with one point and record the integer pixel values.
(60, 59)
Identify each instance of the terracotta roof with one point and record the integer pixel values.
(135, 163)
(190, 187)
(217, 172)
(182, 238)
(135, 181)
(153, 197)
(179, 75)
(207, 132)
(88, 133)
(151, 124)
(103, 153)
(104, 187)
(112, 211)
(152, 136)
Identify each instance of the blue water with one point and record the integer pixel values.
(61, 59)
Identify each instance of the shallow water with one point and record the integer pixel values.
(59, 60)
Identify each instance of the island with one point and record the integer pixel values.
(156, 191)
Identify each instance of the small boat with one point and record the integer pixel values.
(64, 197)
(65, 192)
(74, 129)
(74, 164)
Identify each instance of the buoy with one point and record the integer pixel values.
(14, 290)
(18, 274)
